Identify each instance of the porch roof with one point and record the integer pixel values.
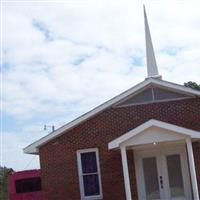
(184, 132)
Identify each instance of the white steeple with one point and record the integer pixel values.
(152, 69)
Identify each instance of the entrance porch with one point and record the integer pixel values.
(164, 161)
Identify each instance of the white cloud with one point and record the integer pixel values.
(62, 59)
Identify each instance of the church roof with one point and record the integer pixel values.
(33, 148)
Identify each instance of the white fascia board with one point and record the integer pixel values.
(176, 87)
(156, 123)
(33, 148)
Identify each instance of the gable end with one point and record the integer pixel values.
(152, 94)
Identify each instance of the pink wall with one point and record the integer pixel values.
(23, 175)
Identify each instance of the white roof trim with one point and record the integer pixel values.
(156, 123)
(33, 148)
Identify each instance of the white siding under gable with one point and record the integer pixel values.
(152, 135)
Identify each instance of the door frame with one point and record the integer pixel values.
(160, 150)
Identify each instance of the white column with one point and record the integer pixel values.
(192, 169)
(126, 173)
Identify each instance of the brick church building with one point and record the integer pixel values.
(142, 144)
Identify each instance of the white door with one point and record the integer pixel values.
(162, 173)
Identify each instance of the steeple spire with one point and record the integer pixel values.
(152, 69)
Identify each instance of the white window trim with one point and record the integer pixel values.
(83, 197)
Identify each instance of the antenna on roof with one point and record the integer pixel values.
(152, 69)
(49, 126)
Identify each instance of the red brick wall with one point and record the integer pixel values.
(58, 157)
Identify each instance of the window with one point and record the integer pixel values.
(28, 185)
(89, 174)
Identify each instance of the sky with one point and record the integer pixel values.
(59, 59)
